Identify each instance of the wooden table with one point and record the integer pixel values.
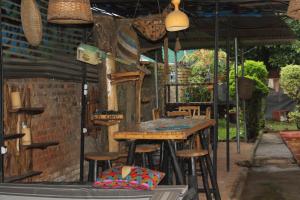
(166, 129)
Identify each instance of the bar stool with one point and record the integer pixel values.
(206, 171)
(146, 151)
(94, 157)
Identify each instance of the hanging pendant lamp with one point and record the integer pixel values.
(294, 9)
(70, 12)
(177, 20)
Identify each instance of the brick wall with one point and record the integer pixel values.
(59, 122)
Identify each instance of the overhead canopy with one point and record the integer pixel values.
(253, 22)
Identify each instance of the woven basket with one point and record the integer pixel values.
(245, 88)
(31, 22)
(151, 27)
(70, 12)
(294, 9)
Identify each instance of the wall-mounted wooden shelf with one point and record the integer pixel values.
(105, 122)
(22, 176)
(121, 77)
(28, 110)
(41, 145)
(12, 136)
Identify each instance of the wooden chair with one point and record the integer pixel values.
(178, 113)
(194, 111)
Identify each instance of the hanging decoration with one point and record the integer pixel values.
(31, 22)
(177, 44)
(177, 20)
(294, 9)
(152, 27)
(70, 12)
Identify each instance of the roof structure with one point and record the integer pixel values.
(253, 22)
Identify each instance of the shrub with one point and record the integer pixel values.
(257, 72)
(290, 83)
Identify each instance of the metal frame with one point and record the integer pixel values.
(216, 92)
(1, 108)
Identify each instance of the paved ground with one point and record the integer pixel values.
(274, 174)
(228, 181)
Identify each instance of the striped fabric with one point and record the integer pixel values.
(77, 192)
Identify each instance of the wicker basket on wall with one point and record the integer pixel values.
(294, 9)
(70, 12)
(31, 22)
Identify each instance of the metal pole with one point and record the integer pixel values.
(215, 104)
(176, 75)
(227, 104)
(84, 93)
(156, 80)
(236, 95)
(1, 109)
(244, 101)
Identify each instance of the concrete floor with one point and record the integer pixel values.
(229, 181)
(275, 176)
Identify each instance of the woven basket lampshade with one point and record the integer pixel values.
(294, 9)
(31, 22)
(70, 12)
(177, 20)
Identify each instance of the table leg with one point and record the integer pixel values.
(176, 166)
(131, 152)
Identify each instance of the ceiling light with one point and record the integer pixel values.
(177, 20)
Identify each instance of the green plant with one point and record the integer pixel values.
(290, 83)
(257, 72)
(201, 63)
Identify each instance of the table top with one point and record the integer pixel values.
(164, 129)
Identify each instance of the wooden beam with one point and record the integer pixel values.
(112, 102)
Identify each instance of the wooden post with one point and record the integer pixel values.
(138, 93)
(112, 102)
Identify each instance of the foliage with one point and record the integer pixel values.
(201, 63)
(256, 71)
(197, 94)
(276, 56)
(290, 83)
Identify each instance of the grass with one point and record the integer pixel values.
(222, 130)
(270, 126)
(279, 126)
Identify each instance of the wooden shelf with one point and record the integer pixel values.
(41, 145)
(22, 176)
(105, 122)
(108, 117)
(121, 77)
(12, 136)
(28, 110)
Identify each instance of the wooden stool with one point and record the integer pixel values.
(205, 166)
(146, 151)
(94, 157)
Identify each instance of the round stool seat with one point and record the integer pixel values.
(189, 153)
(146, 148)
(102, 156)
